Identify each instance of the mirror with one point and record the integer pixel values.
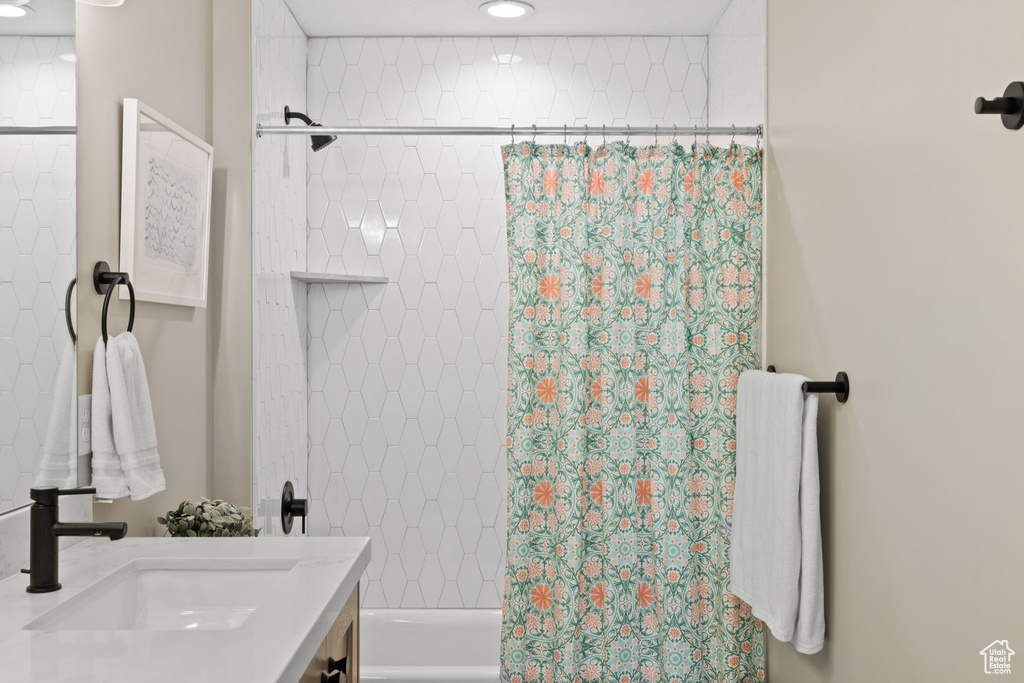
(38, 393)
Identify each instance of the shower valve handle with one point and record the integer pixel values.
(292, 507)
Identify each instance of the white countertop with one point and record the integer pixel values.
(273, 645)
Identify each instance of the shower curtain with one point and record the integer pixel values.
(634, 277)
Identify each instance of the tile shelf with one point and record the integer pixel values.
(337, 278)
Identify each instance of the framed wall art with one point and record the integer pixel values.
(166, 182)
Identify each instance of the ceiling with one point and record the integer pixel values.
(320, 18)
(48, 18)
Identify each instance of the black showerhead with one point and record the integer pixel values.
(318, 142)
(321, 141)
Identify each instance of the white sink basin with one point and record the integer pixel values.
(148, 594)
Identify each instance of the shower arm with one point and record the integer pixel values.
(289, 115)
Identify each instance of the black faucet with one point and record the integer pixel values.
(46, 529)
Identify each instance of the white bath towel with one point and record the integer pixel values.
(132, 417)
(107, 475)
(59, 463)
(776, 558)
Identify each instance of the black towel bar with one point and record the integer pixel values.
(840, 387)
(104, 281)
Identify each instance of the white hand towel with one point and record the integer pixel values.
(59, 464)
(132, 417)
(107, 475)
(776, 563)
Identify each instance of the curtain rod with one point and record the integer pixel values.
(38, 130)
(518, 131)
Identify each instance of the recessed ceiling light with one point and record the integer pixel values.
(69, 57)
(506, 9)
(507, 59)
(9, 11)
(102, 3)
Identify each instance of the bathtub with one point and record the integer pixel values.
(421, 645)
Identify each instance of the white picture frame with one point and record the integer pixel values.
(166, 185)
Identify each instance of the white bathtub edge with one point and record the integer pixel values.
(418, 674)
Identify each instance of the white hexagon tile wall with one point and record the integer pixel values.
(279, 246)
(406, 411)
(37, 247)
(736, 56)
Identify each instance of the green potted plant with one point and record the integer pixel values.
(209, 518)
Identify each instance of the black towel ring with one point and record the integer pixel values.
(67, 310)
(119, 279)
(106, 282)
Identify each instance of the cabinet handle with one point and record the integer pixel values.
(330, 678)
(338, 664)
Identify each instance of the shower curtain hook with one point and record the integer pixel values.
(733, 141)
(565, 134)
(586, 133)
(513, 133)
(760, 130)
(655, 135)
(535, 133)
(695, 137)
(675, 133)
(628, 133)
(604, 135)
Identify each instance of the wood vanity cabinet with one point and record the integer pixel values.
(341, 641)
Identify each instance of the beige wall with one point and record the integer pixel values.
(894, 253)
(163, 52)
(231, 249)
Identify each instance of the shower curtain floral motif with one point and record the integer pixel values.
(634, 293)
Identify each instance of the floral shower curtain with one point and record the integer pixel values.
(635, 279)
